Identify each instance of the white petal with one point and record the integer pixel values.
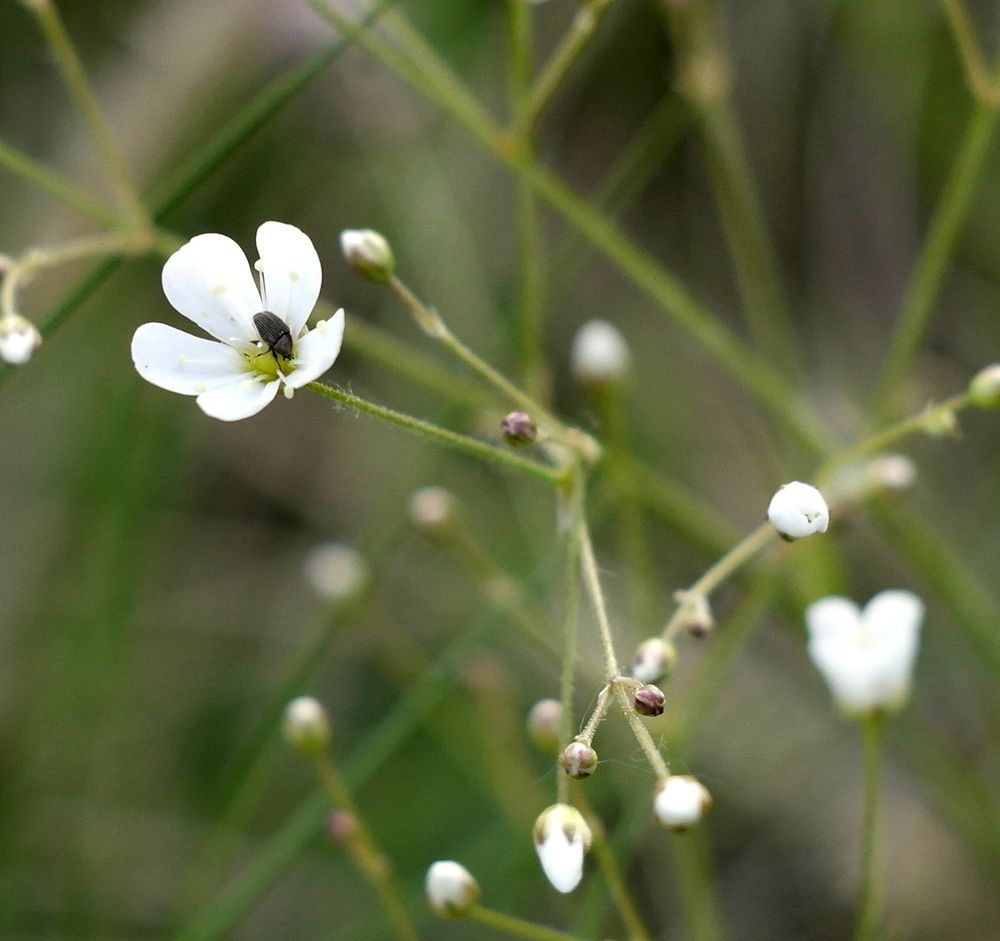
(240, 398)
(798, 510)
(292, 273)
(209, 281)
(316, 351)
(832, 617)
(562, 858)
(179, 362)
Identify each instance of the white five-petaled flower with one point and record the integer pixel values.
(680, 801)
(866, 657)
(798, 510)
(562, 837)
(209, 281)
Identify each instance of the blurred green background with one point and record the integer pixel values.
(151, 592)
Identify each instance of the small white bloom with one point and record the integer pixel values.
(653, 659)
(798, 510)
(337, 573)
(562, 837)
(18, 339)
(451, 889)
(600, 354)
(866, 657)
(307, 726)
(209, 281)
(681, 801)
(432, 509)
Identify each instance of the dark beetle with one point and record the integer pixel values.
(274, 333)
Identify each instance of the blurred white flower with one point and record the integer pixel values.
(18, 339)
(653, 659)
(866, 657)
(681, 801)
(307, 726)
(798, 510)
(263, 343)
(337, 573)
(562, 837)
(600, 354)
(451, 889)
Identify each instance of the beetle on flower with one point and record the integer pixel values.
(262, 343)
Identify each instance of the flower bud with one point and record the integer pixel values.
(341, 826)
(600, 355)
(648, 700)
(891, 472)
(519, 429)
(680, 801)
(544, 724)
(432, 510)
(337, 573)
(562, 837)
(307, 726)
(451, 889)
(984, 390)
(653, 660)
(18, 339)
(368, 253)
(798, 510)
(939, 422)
(696, 612)
(578, 760)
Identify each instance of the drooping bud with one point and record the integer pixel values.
(18, 339)
(368, 253)
(680, 801)
(798, 510)
(341, 826)
(544, 723)
(648, 700)
(451, 889)
(519, 429)
(337, 573)
(696, 613)
(600, 355)
(984, 390)
(578, 760)
(653, 660)
(432, 510)
(562, 837)
(307, 726)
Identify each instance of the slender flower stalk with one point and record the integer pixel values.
(977, 74)
(518, 927)
(871, 882)
(571, 625)
(479, 449)
(51, 24)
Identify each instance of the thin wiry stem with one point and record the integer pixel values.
(518, 927)
(868, 905)
(983, 87)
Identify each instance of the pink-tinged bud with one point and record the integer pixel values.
(696, 612)
(578, 760)
(519, 429)
(341, 826)
(649, 700)
(544, 725)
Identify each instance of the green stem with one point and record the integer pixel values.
(364, 851)
(428, 75)
(742, 552)
(699, 901)
(928, 274)
(869, 902)
(592, 583)
(518, 926)
(58, 186)
(640, 731)
(977, 74)
(571, 628)
(568, 51)
(553, 476)
(51, 24)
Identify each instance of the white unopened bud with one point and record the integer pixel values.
(681, 801)
(432, 510)
(451, 889)
(545, 724)
(695, 612)
(984, 390)
(337, 573)
(307, 726)
(798, 510)
(368, 253)
(562, 838)
(892, 472)
(866, 657)
(654, 659)
(18, 339)
(601, 355)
